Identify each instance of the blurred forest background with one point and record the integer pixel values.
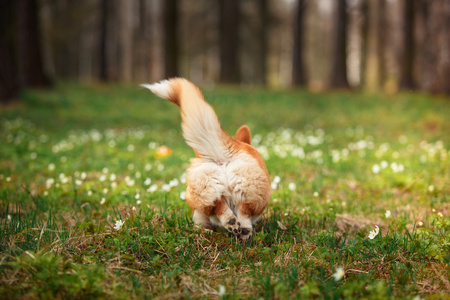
(375, 45)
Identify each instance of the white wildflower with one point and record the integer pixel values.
(129, 181)
(119, 224)
(374, 233)
(49, 182)
(64, 179)
(387, 213)
(221, 291)
(292, 186)
(277, 179)
(339, 274)
(153, 188)
(166, 187)
(376, 169)
(102, 201)
(174, 182)
(183, 195)
(394, 167)
(138, 202)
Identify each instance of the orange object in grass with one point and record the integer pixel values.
(163, 151)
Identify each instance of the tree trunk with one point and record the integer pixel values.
(171, 41)
(298, 67)
(339, 66)
(381, 45)
(29, 51)
(437, 65)
(263, 41)
(364, 42)
(446, 49)
(229, 41)
(125, 40)
(105, 11)
(407, 77)
(142, 42)
(9, 82)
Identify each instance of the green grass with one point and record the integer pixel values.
(75, 160)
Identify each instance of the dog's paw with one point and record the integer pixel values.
(246, 234)
(233, 226)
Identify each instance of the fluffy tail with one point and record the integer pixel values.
(201, 128)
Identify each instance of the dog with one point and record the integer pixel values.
(228, 184)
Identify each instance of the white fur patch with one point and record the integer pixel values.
(161, 89)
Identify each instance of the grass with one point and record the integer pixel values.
(77, 159)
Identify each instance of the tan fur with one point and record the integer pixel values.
(228, 183)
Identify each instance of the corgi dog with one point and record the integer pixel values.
(228, 184)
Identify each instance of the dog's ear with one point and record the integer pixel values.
(243, 135)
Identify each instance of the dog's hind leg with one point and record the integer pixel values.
(221, 215)
(202, 220)
(226, 217)
(247, 214)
